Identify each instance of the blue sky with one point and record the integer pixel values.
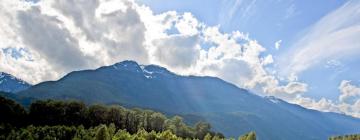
(269, 21)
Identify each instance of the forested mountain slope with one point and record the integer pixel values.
(231, 110)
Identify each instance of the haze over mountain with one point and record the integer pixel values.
(230, 110)
(9, 83)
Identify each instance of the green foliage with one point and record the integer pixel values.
(102, 133)
(11, 112)
(74, 120)
(202, 129)
(45, 132)
(346, 137)
(122, 135)
(248, 136)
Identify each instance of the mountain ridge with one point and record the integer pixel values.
(228, 108)
(12, 84)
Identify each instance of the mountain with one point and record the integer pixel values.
(9, 83)
(230, 110)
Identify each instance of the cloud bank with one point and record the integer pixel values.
(347, 103)
(58, 37)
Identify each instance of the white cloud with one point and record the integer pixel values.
(349, 93)
(336, 35)
(277, 44)
(54, 43)
(55, 37)
(238, 8)
(62, 36)
(177, 51)
(348, 102)
(268, 60)
(322, 104)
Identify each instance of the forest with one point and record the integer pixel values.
(64, 120)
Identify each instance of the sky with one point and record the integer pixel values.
(305, 52)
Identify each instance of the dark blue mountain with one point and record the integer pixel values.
(231, 110)
(9, 83)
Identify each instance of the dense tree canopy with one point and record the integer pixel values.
(66, 120)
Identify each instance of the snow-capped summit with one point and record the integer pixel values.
(9, 83)
(149, 71)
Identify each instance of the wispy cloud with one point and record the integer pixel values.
(334, 36)
(291, 11)
(241, 8)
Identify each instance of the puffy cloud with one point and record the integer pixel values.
(54, 43)
(348, 102)
(177, 51)
(61, 36)
(349, 93)
(267, 60)
(46, 40)
(322, 104)
(290, 88)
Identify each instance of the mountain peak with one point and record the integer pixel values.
(156, 69)
(149, 71)
(10, 83)
(3, 74)
(128, 65)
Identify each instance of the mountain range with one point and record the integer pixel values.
(230, 109)
(9, 83)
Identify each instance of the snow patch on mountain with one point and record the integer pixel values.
(9, 83)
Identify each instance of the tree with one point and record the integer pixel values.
(117, 116)
(178, 127)
(201, 129)
(208, 137)
(157, 122)
(75, 113)
(102, 133)
(74, 120)
(248, 136)
(122, 135)
(11, 112)
(97, 114)
(167, 135)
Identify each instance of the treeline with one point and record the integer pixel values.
(101, 132)
(74, 120)
(346, 137)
